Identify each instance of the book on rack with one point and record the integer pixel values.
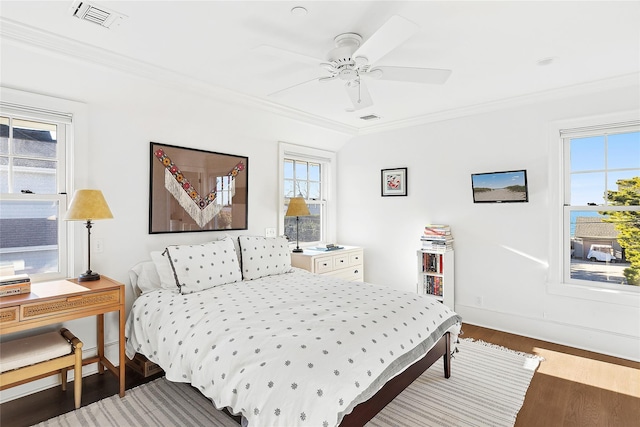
(432, 263)
(432, 285)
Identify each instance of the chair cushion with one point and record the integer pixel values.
(27, 351)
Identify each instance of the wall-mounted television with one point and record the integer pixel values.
(500, 187)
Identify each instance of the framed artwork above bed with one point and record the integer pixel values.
(196, 190)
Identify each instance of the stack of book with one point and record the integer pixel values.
(437, 238)
(14, 285)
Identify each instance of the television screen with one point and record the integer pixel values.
(500, 187)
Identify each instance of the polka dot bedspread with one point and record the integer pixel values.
(293, 349)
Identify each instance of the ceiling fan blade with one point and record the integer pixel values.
(287, 54)
(359, 95)
(315, 79)
(435, 76)
(392, 33)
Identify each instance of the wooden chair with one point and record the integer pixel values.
(31, 358)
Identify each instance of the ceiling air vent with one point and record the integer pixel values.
(370, 117)
(97, 14)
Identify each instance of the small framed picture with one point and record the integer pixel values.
(394, 182)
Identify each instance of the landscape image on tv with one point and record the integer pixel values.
(500, 187)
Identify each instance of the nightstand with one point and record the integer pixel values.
(347, 263)
(62, 300)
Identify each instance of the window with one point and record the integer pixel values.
(302, 179)
(307, 173)
(601, 198)
(32, 187)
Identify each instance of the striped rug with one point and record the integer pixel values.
(486, 388)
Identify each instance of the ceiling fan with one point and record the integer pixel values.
(352, 61)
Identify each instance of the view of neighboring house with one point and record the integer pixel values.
(593, 231)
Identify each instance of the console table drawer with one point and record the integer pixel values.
(9, 315)
(71, 303)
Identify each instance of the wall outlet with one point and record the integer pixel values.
(270, 232)
(98, 246)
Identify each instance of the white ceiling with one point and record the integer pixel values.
(493, 48)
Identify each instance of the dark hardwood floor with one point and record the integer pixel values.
(571, 388)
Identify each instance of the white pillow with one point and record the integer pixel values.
(264, 256)
(164, 270)
(145, 277)
(199, 267)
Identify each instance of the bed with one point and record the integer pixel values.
(279, 345)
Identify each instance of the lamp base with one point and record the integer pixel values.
(297, 250)
(88, 276)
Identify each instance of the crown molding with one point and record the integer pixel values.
(16, 32)
(627, 80)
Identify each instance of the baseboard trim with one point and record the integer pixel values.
(609, 343)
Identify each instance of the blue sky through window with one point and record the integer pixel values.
(598, 161)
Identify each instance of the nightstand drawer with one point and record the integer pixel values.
(340, 261)
(71, 303)
(353, 274)
(323, 264)
(346, 263)
(355, 258)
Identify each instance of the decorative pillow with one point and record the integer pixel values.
(165, 272)
(264, 256)
(144, 277)
(199, 267)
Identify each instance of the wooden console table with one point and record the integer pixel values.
(62, 300)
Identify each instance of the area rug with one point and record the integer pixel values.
(486, 388)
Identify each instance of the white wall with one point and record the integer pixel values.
(125, 113)
(501, 250)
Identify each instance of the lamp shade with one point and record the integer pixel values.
(297, 207)
(88, 205)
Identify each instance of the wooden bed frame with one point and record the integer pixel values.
(365, 411)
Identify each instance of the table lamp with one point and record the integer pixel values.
(88, 205)
(297, 207)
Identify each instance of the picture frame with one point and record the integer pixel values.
(193, 190)
(394, 182)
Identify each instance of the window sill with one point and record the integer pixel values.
(629, 297)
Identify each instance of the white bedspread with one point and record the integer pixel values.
(292, 349)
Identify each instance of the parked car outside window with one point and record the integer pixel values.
(601, 253)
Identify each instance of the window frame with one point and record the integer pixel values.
(71, 118)
(559, 280)
(327, 161)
